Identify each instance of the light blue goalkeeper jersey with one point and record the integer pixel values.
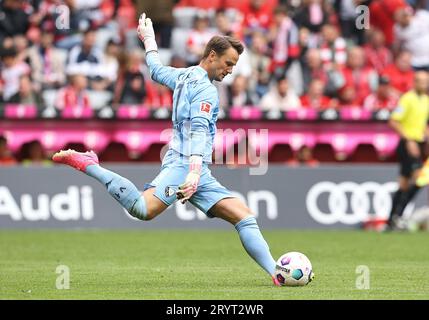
(195, 106)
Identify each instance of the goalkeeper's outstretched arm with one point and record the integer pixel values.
(165, 75)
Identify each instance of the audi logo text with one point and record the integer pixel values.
(350, 202)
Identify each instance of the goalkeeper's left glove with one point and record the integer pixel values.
(189, 187)
(146, 33)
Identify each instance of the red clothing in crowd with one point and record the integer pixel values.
(377, 59)
(125, 15)
(320, 74)
(360, 80)
(402, 81)
(212, 4)
(70, 98)
(297, 163)
(258, 18)
(375, 102)
(333, 53)
(7, 161)
(320, 103)
(285, 44)
(158, 96)
(382, 16)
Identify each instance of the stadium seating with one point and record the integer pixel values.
(372, 140)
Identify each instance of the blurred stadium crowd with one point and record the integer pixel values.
(68, 55)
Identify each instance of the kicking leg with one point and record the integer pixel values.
(144, 207)
(237, 213)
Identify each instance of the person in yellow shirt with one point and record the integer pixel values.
(409, 120)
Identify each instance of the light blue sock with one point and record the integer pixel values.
(255, 244)
(123, 190)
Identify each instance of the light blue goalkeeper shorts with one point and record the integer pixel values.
(174, 170)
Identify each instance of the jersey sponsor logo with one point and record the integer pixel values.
(205, 107)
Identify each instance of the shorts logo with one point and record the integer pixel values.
(205, 107)
(169, 191)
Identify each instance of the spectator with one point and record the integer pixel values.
(260, 63)
(384, 98)
(412, 34)
(401, 73)
(90, 9)
(7, 43)
(280, 97)
(333, 48)
(333, 18)
(311, 15)
(109, 67)
(315, 98)
(358, 75)
(34, 154)
(161, 14)
(21, 46)
(257, 17)
(378, 56)
(382, 16)
(219, 4)
(177, 61)
(14, 20)
(83, 15)
(132, 82)
(347, 14)
(26, 95)
(348, 97)
(229, 26)
(51, 12)
(6, 157)
(11, 73)
(312, 68)
(120, 16)
(47, 64)
(43, 15)
(284, 35)
(198, 38)
(305, 42)
(202, 4)
(223, 24)
(303, 156)
(419, 4)
(85, 58)
(158, 96)
(74, 95)
(239, 95)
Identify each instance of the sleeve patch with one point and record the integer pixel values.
(205, 107)
(398, 109)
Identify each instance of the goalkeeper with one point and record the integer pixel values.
(184, 171)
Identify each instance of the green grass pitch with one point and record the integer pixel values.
(207, 265)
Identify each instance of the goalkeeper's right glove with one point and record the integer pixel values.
(189, 187)
(146, 33)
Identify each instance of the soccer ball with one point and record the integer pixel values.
(294, 269)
